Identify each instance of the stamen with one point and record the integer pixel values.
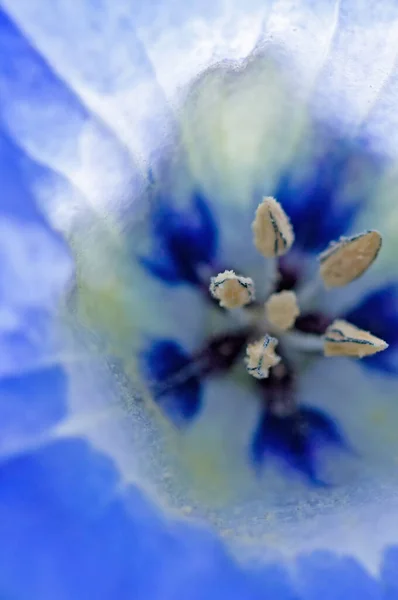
(231, 290)
(261, 357)
(347, 259)
(273, 233)
(344, 339)
(281, 309)
(342, 262)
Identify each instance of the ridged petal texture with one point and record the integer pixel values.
(136, 141)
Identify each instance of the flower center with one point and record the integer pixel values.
(340, 263)
(279, 320)
(272, 339)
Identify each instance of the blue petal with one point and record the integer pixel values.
(62, 502)
(389, 574)
(16, 197)
(323, 575)
(28, 85)
(317, 213)
(295, 439)
(378, 313)
(72, 40)
(35, 265)
(70, 530)
(53, 125)
(94, 538)
(29, 404)
(180, 398)
(183, 242)
(275, 582)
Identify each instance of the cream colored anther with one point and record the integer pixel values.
(344, 339)
(273, 233)
(231, 290)
(349, 258)
(261, 357)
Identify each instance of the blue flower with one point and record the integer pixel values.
(93, 539)
(90, 99)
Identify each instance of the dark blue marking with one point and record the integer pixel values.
(182, 241)
(295, 439)
(180, 398)
(312, 204)
(322, 426)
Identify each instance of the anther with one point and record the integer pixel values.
(347, 259)
(261, 357)
(281, 309)
(344, 339)
(231, 290)
(273, 233)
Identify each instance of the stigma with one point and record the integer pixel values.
(341, 262)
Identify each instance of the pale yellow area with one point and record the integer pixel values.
(102, 297)
(240, 127)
